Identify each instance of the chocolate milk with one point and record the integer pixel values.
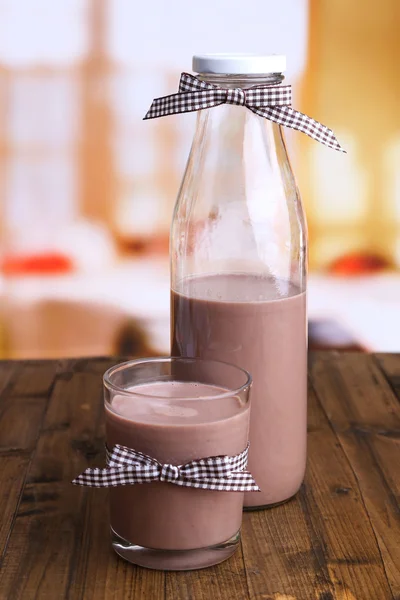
(176, 430)
(260, 325)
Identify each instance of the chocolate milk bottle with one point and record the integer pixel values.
(238, 268)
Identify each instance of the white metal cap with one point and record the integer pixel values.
(241, 64)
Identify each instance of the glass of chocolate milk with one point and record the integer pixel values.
(176, 410)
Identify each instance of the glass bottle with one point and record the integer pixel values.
(239, 267)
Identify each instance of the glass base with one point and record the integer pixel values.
(264, 506)
(174, 560)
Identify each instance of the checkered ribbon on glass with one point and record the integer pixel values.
(127, 467)
(272, 102)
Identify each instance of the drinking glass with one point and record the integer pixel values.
(176, 410)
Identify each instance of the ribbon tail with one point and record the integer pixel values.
(288, 117)
(112, 476)
(93, 478)
(247, 480)
(241, 481)
(185, 102)
(166, 105)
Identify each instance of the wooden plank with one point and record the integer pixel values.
(7, 369)
(53, 544)
(390, 365)
(12, 476)
(23, 400)
(280, 559)
(7, 373)
(337, 540)
(35, 378)
(364, 413)
(97, 573)
(321, 544)
(223, 581)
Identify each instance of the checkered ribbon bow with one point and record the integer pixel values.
(127, 467)
(272, 102)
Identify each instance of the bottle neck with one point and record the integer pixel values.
(241, 81)
(229, 135)
(229, 122)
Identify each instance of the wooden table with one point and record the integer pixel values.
(339, 539)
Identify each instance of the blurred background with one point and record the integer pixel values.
(87, 188)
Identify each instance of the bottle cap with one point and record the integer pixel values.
(240, 64)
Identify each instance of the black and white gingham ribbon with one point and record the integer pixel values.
(127, 467)
(272, 102)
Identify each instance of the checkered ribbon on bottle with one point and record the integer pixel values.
(272, 102)
(128, 467)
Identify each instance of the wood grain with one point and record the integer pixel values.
(25, 389)
(364, 413)
(12, 476)
(337, 540)
(322, 544)
(390, 365)
(216, 582)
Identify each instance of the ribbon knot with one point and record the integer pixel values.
(169, 473)
(126, 466)
(273, 102)
(236, 96)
